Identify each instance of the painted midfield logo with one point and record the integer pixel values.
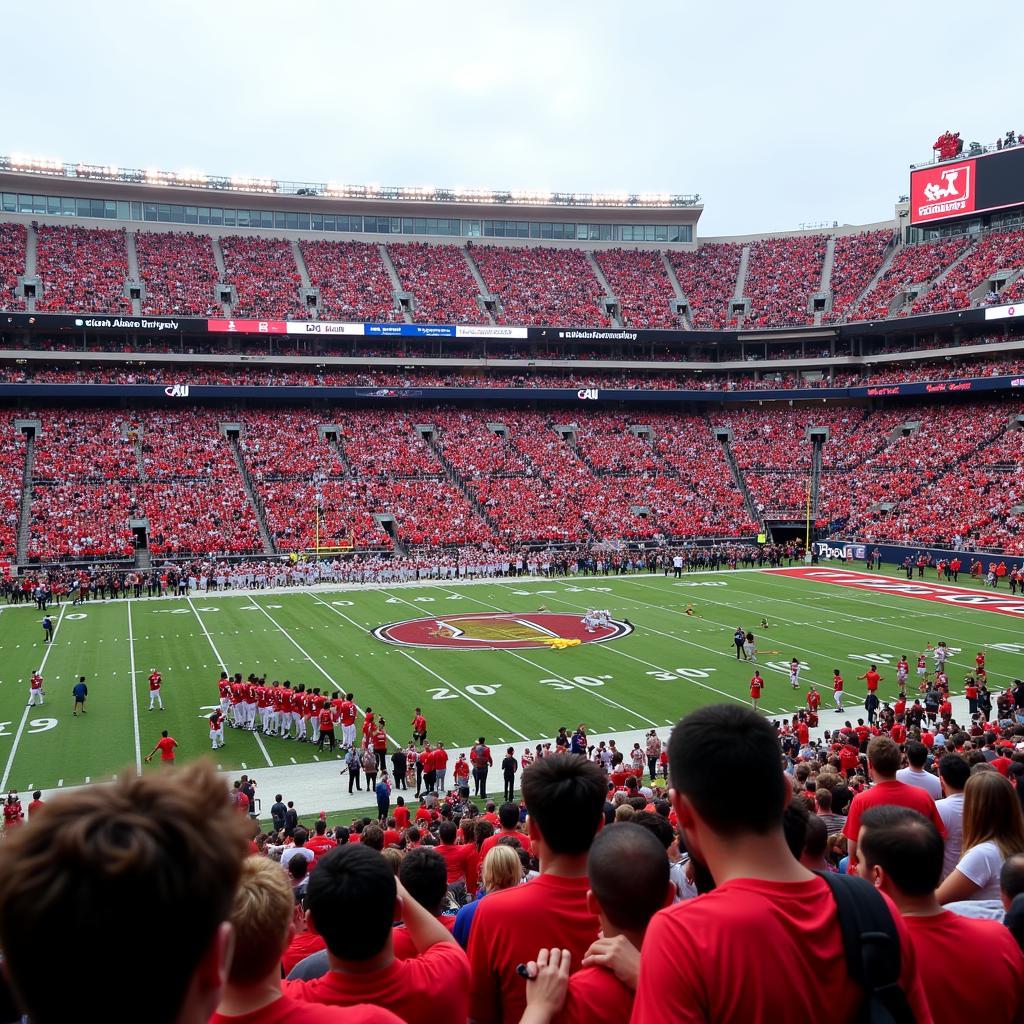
(488, 631)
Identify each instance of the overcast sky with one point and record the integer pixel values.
(776, 113)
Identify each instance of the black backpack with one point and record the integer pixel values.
(872, 946)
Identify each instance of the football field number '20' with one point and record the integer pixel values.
(474, 689)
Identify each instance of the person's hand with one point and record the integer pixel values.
(547, 984)
(618, 955)
(149, 758)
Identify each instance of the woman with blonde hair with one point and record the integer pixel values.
(502, 870)
(993, 829)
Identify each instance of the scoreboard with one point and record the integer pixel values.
(958, 188)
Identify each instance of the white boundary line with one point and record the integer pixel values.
(24, 714)
(135, 699)
(220, 660)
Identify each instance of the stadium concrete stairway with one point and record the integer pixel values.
(610, 300)
(31, 262)
(677, 289)
(25, 519)
(134, 277)
(825, 287)
(485, 296)
(222, 271)
(255, 501)
(741, 483)
(453, 475)
(396, 282)
(883, 268)
(939, 278)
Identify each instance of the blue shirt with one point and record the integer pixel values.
(383, 791)
(80, 690)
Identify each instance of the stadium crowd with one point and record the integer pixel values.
(458, 908)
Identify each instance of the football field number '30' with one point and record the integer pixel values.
(681, 673)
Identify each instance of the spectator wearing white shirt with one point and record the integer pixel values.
(953, 775)
(915, 775)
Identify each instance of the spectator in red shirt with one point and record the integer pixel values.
(107, 862)
(508, 819)
(461, 859)
(901, 854)
(625, 902)
(883, 764)
(37, 803)
(697, 963)
(355, 884)
(565, 796)
(320, 843)
(166, 745)
(424, 874)
(262, 921)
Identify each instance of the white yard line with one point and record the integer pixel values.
(135, 699)
(220, 661)
(24, 714)
(469, 697)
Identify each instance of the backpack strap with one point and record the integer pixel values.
(872, 946)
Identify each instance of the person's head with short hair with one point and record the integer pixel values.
(657, 825)
(1011, 878)
(564, 795)
(373, 836)
(261, 913)
(823, 798)
(624, 812)
(716, 752)
(353, 883)
(502, 868)
(37, 794)
(508, 815)
(299, 837)
(883, 758)
(424, 874)
(320, 826)
(447, 832)
(626, 901)
(393, 855)
(917, 754)
(900, 851)
(954, 772)
(297, 868)
(106, 862)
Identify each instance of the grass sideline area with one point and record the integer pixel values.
(668, 664)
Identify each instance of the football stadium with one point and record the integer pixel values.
(385, 567)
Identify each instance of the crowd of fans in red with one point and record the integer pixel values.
(264, 275)
(82, 270)
(782, 274)
(506, 476)
(856, 260)
(12, 264)
(708, 278)
(640, 282)
(180, 274)
(440, 280)
(352, 279)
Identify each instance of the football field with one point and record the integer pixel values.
(499, 658)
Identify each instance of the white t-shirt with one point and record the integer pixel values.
(951, 811)
(296, 851)
(982, 864)
(923, 780)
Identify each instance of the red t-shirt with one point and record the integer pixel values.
(285, 1010)
(508, 929)
(871, 678)
(756, 686)
(813, 699)
(987, 961)
(428, 989)
(419, 724)
(595, 994)
(320, 845)
(837, 683)
(166, 745)
(347, 712)
(461, 861)
(699, 963)
(326, 721)
(492, 841)
(440, 759)
(403, 945)
(154, 681)
(401, 816)
(302, 945)
(891, 793)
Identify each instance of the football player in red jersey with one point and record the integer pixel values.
(756, 686)
(154, 690)
(224, 692)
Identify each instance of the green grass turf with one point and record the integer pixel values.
(666, 667)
